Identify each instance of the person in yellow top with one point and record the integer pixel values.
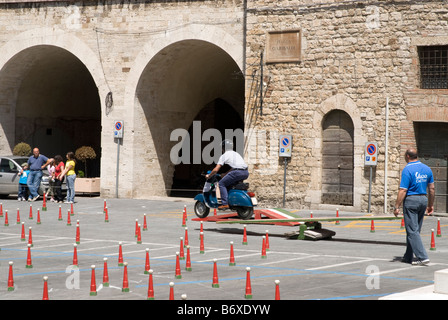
(69, 171)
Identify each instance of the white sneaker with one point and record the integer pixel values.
(419, 262)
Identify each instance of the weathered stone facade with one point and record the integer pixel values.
(164, 60)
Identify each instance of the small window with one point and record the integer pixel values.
(433, 67)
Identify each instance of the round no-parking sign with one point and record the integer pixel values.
(371, 154)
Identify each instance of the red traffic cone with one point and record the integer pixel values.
(433, 242)
(120, 255)
(77, 232)
(277, 290)
(1, 210)
(244, 236)
(10, 277)
(214, 212)
(372, 226)
(106, 215)
(311, 214)
(402, 224)
(248, 294)
(105, 274)
(181, 249)
(232, 257)
(186, 237)
(93, 282)
(31, 212)
(105, 206)
(201, 229)
(215, 282)
(171, 291)
(45, 291)
(337, 216)
(147, 265)
(145, 225)
(18, 216)
(22, 235)
(38, 216)
(263, 248)
(30, 237)
(178, 275)
(150, 286)
(125, 287)
(60, 214)
(72, 212)
(267, 240)
(6, 218)
(136, 228)
(28, 258)
(139, 235)
(184, 218)
(201, 246)
(188, 262)
(69, 223)
(439, 231)
(75, 255)
(44, 202)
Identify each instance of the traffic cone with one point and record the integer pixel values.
(439, 231)
(136, 228)
(277, 290)
(72, 212)
(402, 224)
(248, 294)
(93, 282)
(184, 218)
(45, 291)
(171, 291)
(185, 211)
(145, 225)
(215, 283)
(147, 265)
(201, 230)
(18, 216)
(1, 209)
(372, 226)
(263, 248)
(106, 215)
(38, 216)
(201, 246)
(178, 275)
(244, 236)
(22, 236)
(6, 218)
(10, 276)
(188, 262)
(77, 233)
(75, 255)
(214, 212)
(28, 258)
(181, 249)
(44, 202)
(60, 214)
(105, 274)
(150, 286)
(69, 223)
(139, 235)
(30, 237)
(105, 206)
(120, 255)
(125, 278)
(267, 240)
(186, 237)
(232, 257)
(31, 212)
(337, 216)
(311, 215)
(433, 243)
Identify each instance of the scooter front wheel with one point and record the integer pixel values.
(201, 210)
(245, 212)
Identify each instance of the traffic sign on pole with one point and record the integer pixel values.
(371, 154)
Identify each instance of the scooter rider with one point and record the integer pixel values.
(238, 171)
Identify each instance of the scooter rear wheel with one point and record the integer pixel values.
(201, 210)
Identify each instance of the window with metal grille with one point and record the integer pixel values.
(433, 67)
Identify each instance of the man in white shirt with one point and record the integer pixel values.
(238, 171)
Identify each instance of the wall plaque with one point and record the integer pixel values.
(283, 46)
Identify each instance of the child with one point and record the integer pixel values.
(23, 187)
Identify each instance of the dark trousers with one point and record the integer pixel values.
(57, 188)
(230, 179)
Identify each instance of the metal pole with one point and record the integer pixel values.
(261, 84)
(370, 188)
(386, 154)
(284, 183)
(118, 167)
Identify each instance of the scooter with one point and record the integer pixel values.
(239, 199)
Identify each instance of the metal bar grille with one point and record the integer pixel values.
(433, 67)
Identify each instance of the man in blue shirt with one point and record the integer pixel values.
(416, 180)
(37, 162)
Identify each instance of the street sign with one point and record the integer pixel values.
(118, 129)
(371, 154)
(285, 145)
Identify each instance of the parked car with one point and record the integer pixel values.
(10, 167)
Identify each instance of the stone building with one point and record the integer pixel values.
(332, 74)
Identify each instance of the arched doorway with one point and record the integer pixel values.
(337, 158)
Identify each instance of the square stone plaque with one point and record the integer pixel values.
(283, 46)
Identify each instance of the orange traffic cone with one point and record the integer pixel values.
(201, 246)
(372, 226)
(145, 225)
(93, 282)
(215, 282)
(150, 286)
(178, 275)
(31, 212)
(28, 258)
(433, 243)
(30, 237)
(147, 265)
(45, 291)
(38, 216)
(22, 236)
(248, 294)
(439, 231)
(277, 290)
(181, 249)
(120, 255)
(263, 248)
(6, 218)
(125, 278)
(188, 263)
(232, 257)
(75, 255)
(244, 236)
(60, 214)
(10, 277)
(105, 274)
(106, 215)
(77, 232)
(171, 291)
